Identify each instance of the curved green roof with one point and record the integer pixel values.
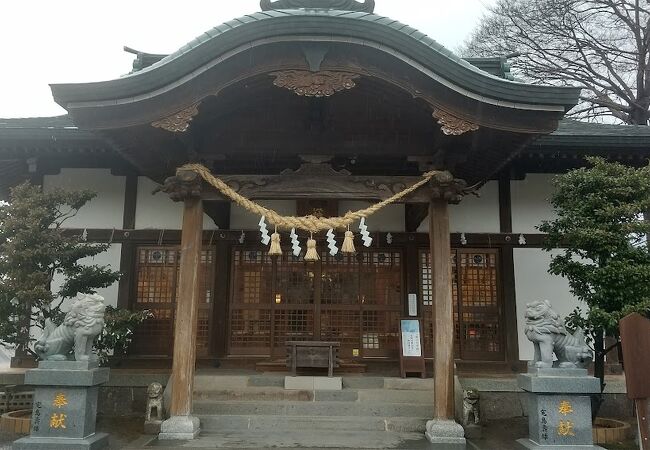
(360, 28)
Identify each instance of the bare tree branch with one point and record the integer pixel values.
(600, 45)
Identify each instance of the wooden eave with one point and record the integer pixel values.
(193, 73)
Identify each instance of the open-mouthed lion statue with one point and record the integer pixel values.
(82, 324)
(545, 330)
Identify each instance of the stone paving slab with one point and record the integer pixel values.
(305, 439)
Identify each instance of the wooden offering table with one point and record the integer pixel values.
(313, 354)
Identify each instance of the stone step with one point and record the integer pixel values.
(359, 440)
(345, 395)
(396, 396)
(255, 394)
(211, 382)
(319, 408)
(208, 382)
(233, 423)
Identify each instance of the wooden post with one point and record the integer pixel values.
(443, 310)
(187, 309)
(186, 186)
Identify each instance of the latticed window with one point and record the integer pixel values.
(477, 304)
(157, 289)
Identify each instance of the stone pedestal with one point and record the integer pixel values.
(445, 434)
(65, 406)
(559, 409)
(180, 428)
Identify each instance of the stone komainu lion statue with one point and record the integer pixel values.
(154, 403)
(545, 330)
(82, 324)
(471, 409)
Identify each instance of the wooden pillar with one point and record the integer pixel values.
(443, 310)
(128, 250)
(443, 431)
(509, 317)
(186, 186)
(187, 308)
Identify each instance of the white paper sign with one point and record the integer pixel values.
(411, 338)
(413, 305)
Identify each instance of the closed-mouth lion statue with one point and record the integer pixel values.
(82, 324)
(545, 330)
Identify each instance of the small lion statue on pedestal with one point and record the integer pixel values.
(82, 324)
(471, 409)
(545, 330)
(154, 415)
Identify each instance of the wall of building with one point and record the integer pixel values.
(474, 214)
(533, 282)
(530, 202)
(106, 210)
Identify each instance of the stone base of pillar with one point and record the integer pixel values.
(95, 442)
(445, 434)
(530, 445)
(180, 427)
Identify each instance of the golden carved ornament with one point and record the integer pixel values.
(452, 125)
(179, 122)
(314, 84)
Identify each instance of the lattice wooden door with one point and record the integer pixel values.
(477, 304)
(156, 290)
(360, 302)
(351, 299)
(293, 301)
(250, 303)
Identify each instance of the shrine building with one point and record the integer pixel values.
(318, 107)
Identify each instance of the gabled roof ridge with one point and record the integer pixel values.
(351, 15)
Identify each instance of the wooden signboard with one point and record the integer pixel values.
(411, 356)
(635, 340)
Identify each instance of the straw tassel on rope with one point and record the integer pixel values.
(348, 242)
(312, 254)
(275, 249)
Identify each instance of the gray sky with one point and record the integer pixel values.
(45, 41)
